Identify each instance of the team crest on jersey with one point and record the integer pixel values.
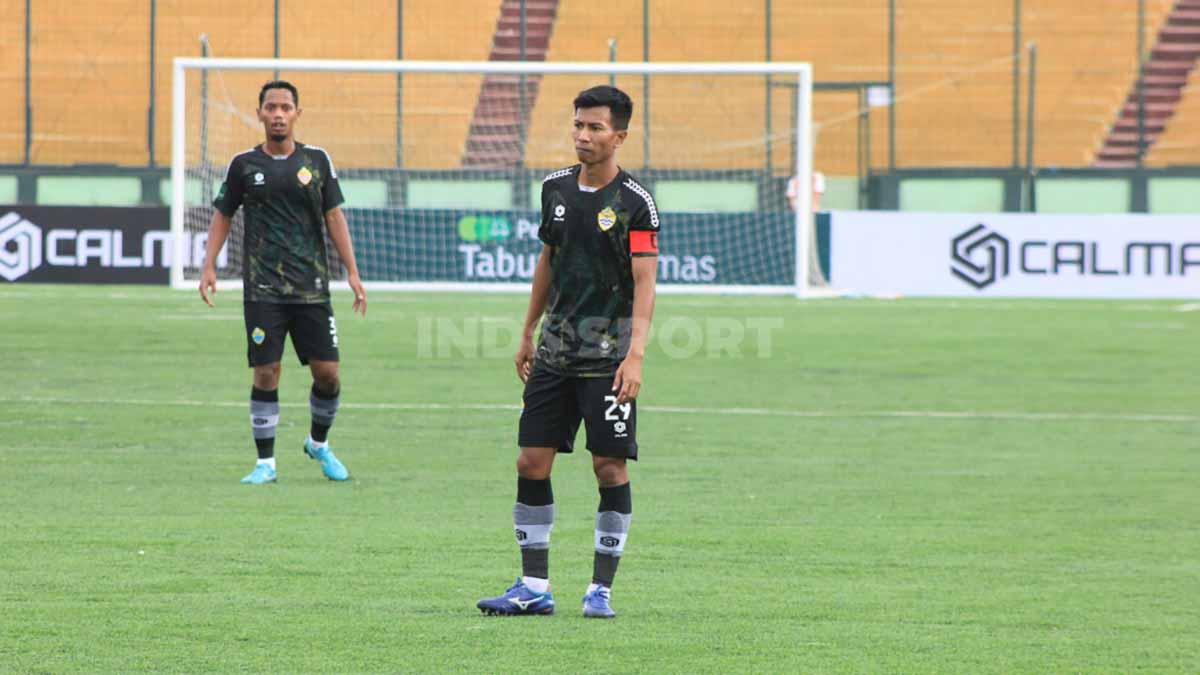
(304, 175)
(258, 335)
(607, 219)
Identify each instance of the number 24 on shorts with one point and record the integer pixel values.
(611, 414)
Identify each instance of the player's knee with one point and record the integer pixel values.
(610, 471)
(533, 466)
(328, 383)
(266, 376)
(325, 377)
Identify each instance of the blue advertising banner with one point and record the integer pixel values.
(405, 245)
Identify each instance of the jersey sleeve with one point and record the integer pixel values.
(546, 230)
(229, 197)
(331, 191)
(644, 227)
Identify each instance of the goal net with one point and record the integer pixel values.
(441, 163)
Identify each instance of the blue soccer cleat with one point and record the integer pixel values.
(330, 466)
(261, 475)
(518, 600)
(595, 604)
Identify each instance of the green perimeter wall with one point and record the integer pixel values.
(1156, 192)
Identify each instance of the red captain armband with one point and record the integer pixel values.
(643, 241)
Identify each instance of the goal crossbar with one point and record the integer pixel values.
(500, 67)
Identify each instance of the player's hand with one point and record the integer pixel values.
(524, 359)
(628, 380)
(208, 285)
(360, 295)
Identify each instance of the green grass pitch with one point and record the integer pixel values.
(852, 486)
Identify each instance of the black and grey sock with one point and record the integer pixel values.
(533, 518)
(324, 407)
(612, 527)
(264, 417)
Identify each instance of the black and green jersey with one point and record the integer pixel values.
(594, 237)
(284, 258)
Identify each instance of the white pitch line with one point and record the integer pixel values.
(929, 414)
(201, 317)
(746, 412)
(388, 298)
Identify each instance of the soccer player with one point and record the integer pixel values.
(288, 191)
(595, 282)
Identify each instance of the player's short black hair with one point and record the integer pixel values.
(279, 84)
(604, 96)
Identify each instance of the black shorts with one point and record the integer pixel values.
(555, 404)
(313, 331)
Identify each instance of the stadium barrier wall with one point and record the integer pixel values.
(947, 190)
(1015, 255)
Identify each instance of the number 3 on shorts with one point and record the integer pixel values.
(333, 331)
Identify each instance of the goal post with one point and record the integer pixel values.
(441, 164)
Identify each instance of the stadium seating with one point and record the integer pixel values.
(690, 128)
(953, 67)
(105, 57)
(436, 115)
(233, 31)
(437, 108)
(1086, 67)
(12, 83)
(845, 41)
(498, 124)
(954, 73)
(90, 93)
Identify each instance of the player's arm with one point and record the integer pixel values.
(339, 230)
(339, 234)
(218, 230)
(226, 203)
(539, 294)
(628, 380)
(538, 297)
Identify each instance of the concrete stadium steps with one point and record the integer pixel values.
(1172, 59)
(496, 137)
(1179, 142)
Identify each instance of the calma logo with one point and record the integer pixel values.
(979, 257)
(20, 246)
